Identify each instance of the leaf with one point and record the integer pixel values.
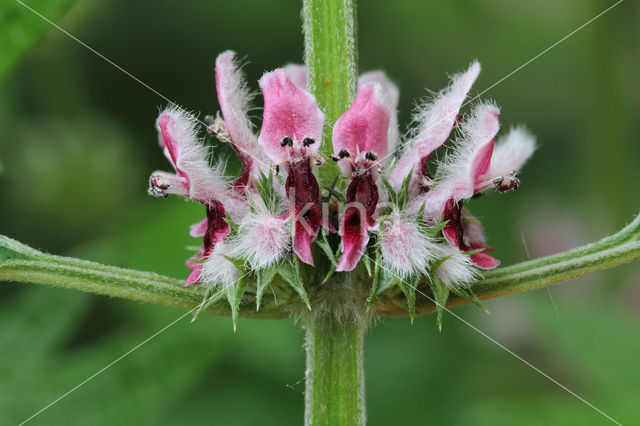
(21, 27)
(290, 272)
(265, 276)
(12, 249)
(234, 296)
(441, 295)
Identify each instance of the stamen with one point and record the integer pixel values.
(370, 155)
(216, 128)
(344, 154)
(286, 141)
(158, 187)
(308, 141)
(506, 183)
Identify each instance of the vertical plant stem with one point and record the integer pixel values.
(334, 392)
(335, 372)
(330, 56)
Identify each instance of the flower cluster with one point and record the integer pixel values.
(393, 205)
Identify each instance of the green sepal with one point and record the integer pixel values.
(234, 297)
(333, 267)
(331, 189)
(438, 263)
(403, 194)
(392, 192)
(435, 230)
(264, 278)
(467, 293)
(326, 248)
(264, 185)
(382, 279)
(367, 264)
(440, 295)
(209, 298)
(232, 225)
(409, 290)
(237, 261)
(472, 252)
(290, 272)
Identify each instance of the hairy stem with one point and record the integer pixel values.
(331, 58)
(334, 393)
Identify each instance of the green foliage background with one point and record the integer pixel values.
(78, 144)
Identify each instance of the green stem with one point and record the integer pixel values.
(334, 393)
(331, 58)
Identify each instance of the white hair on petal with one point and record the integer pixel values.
(405, 249)
(263, 239)
(235, 101)
(458, 270)
(192, 159)
(456, 168)
(217, 270)
(512, 151)
(435, 116)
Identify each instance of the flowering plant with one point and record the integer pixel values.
(335, 218)
(390, 211)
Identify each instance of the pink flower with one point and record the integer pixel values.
(359, 136)
(291, 134)
(413, 216)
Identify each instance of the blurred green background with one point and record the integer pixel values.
(78, 144)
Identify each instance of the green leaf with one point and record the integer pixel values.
(265, 276)
(234, 296)
(441, 295)
(290, 272)
(12, 249)
(21, 27)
